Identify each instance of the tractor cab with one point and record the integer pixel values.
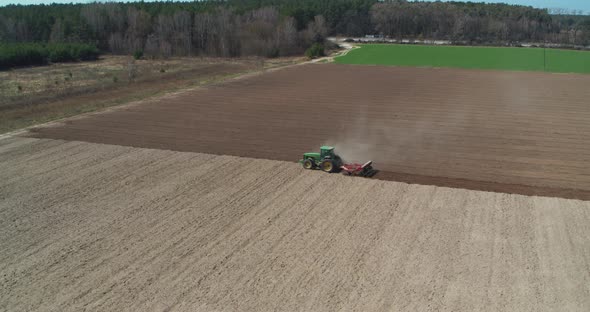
(326, 152)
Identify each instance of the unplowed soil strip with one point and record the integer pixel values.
(111, 228)
(504, 131)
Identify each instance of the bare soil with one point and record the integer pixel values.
(112, 228)
(515, 132)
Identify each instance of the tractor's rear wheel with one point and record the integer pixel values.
(327, 166)
(308, 164)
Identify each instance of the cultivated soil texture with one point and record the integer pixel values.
(112, 228)
(516, 132)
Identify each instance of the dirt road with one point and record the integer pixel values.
(114, 228)
(503, 131)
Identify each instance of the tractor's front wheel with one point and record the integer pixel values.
(327, 166)
(308, 164)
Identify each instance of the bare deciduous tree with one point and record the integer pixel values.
(287, 37)
(258, 34)
(7, 29)
(202, 29)
(317, 30)
(138, 28)
(182, 33)
(57, 32)
(117, 43)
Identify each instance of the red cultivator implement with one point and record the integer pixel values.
(364, 170)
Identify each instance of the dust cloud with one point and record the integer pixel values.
(390, 139)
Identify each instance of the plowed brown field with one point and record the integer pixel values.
(504, 131)
(92, 227)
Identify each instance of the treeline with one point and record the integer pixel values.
(477, 23)
(27, 54)
(231, 28)
(570, 29)
(213, 28)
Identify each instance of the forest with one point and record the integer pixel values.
(271, 28)
(26, 54)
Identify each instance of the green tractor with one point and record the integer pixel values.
(325, 160)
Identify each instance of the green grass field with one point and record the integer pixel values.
(521, 59)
